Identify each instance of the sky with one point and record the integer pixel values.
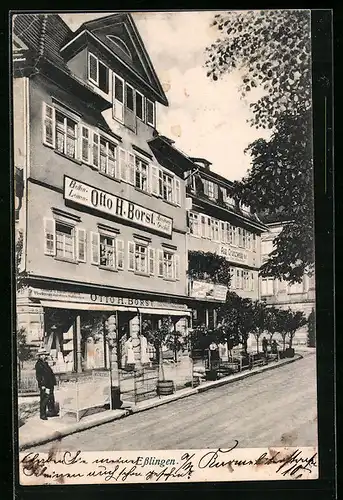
(206, 119)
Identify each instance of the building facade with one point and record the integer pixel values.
(284, 295)
(102, 219)
(220, 225)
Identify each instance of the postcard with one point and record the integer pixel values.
(164, 246)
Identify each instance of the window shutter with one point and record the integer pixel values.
(155, 189)
(160, 263)
(122, 165)
(177, 192)
(49, 236)
(176, 266)
(95, 244)
(120, 253)
(224, 193)
(223, 234)
(208, 228)
(215, 191)
(96, 150)
(131, 168)
(85, 144)
(205, 182)
(151, 260)
(81, 245)
(48, 125)
(131, 256)
(118, 98)
(93, 68)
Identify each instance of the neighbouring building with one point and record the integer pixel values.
(220, 225)
(284, 295)
(101, 208)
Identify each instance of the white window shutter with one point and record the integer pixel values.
(118, 98)
(177, 192)
(122, 164)
(131, 168)
(176, 266)
(81, 244)
(85, 142)
(120, 253)
(151, 260)
(96, 150)
(131, 256)
(49, 236)
(48, 125)
(95, 250)
(154, 180)
(160, 263)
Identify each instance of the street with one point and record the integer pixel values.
(275, 408)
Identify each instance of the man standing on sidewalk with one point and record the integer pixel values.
(46, 382)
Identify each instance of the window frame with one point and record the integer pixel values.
(114, 249)
(143, 106)
(70, 226)
(138, 171)
(152, 124)
(96, 82)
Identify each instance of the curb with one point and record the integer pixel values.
(119, 414)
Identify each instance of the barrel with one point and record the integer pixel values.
(165, 387)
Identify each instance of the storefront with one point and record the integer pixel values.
(75, 326)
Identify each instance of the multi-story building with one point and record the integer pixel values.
(103, 215)
(284, 295)
(221, 226)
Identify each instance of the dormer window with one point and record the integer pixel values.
(98, 73)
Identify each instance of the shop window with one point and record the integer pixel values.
(98, 73)
(141, 174)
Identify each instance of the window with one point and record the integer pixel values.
(141, 258)
(166, 186)
(267, 286)
(239, 280)
(254, 242)
(130, 101)
(98, 73)
(107, 251)
(141, 175)
(127, 166)
(168, 265)
(107, 157)
(64, 241)
(194, 225)
(215, 230)
(296, 287)
(240, 237)
(244, 239)
(150, 113)
(139, 105)
(66, 135)
(233, 278)
(223, 233)
(229, 232)
(212, 191)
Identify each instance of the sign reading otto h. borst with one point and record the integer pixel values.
(92, 197)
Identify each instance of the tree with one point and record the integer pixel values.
(24, 352)
(271, 49)
(209, 267)
(156, 336)
(235, 320)
(311, 329)
(20, 273)
(289, 322)
(260, 320)
(272, 321)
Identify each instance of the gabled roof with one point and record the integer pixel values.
(118, 36)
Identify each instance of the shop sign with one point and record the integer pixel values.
(204, 290)
(93, 298)
(92, 197)
(233, 255)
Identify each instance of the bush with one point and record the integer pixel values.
(311, 330)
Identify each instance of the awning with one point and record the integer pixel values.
(81, 306)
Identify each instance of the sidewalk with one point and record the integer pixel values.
(36, 431)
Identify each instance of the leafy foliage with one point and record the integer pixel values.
(157, 335)
(271, 48)
(311, 332)
(24, 352)
(208, 266)
(20, 274)
(235, 320)
(260, 315)
(288, 323)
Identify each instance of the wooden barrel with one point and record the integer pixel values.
(165, 387)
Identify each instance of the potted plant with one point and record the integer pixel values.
(157, 336)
